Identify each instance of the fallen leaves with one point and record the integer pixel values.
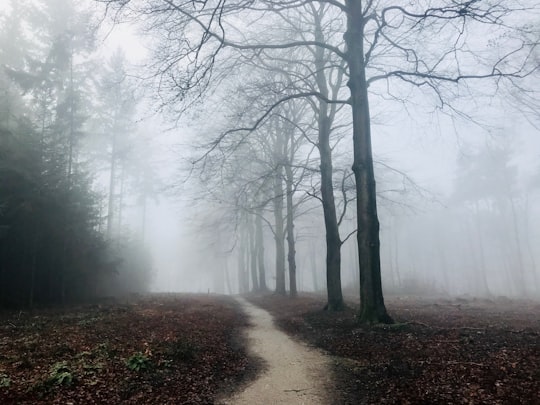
(181, 349)
(477, 352)
(186, 349)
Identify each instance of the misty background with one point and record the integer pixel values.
(458, 188)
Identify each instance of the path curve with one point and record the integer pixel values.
(295, 374)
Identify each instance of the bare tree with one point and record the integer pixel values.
(427, 45)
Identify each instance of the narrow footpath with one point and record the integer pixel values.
(295, 374)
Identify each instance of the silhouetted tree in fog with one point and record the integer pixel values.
(114, 123)
(487, 181)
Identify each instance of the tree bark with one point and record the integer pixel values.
(260, 250)
(333, 239)
(291, 254)
(242, 264)
(253, 254)
(372, 308)
(279, 232)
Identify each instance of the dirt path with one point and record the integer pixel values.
(295, 374)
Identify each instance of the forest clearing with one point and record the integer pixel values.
(192, 349)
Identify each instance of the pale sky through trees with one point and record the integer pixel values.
(424, 146)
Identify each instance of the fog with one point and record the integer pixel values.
(457, 169)
(434, 240)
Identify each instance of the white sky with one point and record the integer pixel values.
(124, 36)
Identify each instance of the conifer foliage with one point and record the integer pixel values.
(52, 245)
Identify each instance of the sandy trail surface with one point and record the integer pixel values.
(294, 373)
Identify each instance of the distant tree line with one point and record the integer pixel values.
(53, 244)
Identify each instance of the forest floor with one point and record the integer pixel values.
(160, 349)
(455, 351)
(194, 349)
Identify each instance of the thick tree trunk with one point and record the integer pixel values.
(291, 254)
(279, 233)
(333, 240)
(260, 250)
(372, 308)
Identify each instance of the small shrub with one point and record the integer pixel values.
(60, 374)
(5, 381)
(138, 362)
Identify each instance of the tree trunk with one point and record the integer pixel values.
(253, 254)
(325, 119)
(241, 264)
(260, 250)
(482, 276)
(314, 269)
(522, 284)
(372, 308)
(291, 254)
(279, 233)
(333, 240)
(227, 278)
(112, 181)
(121, 199)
